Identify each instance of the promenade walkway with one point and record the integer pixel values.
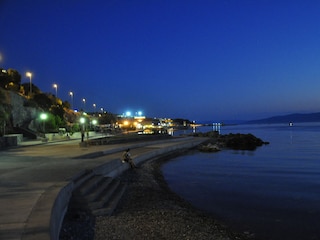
(36, 178)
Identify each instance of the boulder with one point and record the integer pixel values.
(209, 147)
(241, 141)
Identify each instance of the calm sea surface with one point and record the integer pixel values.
(273, 192)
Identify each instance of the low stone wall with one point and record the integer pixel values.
(112, 168)
(10, 140)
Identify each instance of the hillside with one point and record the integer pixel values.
(296, 117)
(18, 114)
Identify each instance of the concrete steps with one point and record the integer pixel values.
(97, 194)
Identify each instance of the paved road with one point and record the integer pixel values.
(27, 172)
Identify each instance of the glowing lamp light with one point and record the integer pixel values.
(29, 74)
(43, 116)
(82, 120)
(55, 86)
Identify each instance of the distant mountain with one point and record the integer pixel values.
(296, 117)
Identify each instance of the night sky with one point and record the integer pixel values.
(200, 60)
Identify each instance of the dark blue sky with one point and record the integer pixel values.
(201, 60)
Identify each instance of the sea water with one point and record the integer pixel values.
(272, 192)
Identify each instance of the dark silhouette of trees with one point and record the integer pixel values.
(25, 89)
(43, 101)
(10, 79)
(107, 118)
(58, 111)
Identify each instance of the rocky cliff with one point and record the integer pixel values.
(21, 115)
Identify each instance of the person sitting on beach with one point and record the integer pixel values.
(126, 157)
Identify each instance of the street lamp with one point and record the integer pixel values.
(84, 103)
(71, 95)
(94, 122)
(82, 121)
(56, 87)
(29, 75)
(43, 117)
(94, 107)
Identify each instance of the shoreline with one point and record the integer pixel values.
(148, 210)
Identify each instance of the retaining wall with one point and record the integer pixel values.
(54, 202)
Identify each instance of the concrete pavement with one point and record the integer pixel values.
(36, 182)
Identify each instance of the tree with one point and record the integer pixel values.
(107, 118)
(14, 76)
(11, 80)
(26, 89)
(58, 111)
(43, 101)
(4, 78)
(66, 104)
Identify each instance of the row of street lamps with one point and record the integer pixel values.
(29, 75)
(82, 121)
(55, 86)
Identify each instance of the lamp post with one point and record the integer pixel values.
(84, 103)
(71, 95)
(82, 121)
(43, 117)
(29, 75)
(56, 87)
(94, 122)
(94, 108)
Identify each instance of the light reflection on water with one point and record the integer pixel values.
(273, 191)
